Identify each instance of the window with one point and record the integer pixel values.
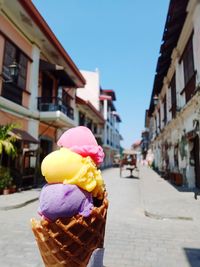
(164, 111)
(156, 126)
(189, 72)
(47, 88)
(95, 128)
(22, 62)
(173, 96)
(159, 120)
(89, 123)
(66, 99)
(13, 91)
(188, 62)
(81, 119)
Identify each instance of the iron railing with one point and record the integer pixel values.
(55, 104)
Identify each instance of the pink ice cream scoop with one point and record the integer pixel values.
(64, 200)
(82, 141)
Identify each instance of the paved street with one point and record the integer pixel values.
(134, 240)
(168, 236)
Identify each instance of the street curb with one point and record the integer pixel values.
(20, 205)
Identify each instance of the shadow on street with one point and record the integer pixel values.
(193, 256)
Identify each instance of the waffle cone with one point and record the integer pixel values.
(69, 242)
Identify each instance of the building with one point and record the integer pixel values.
(89, 116)
(102, 100)
(145, 137)
(174, 110)
(39, 96)
(88, 105)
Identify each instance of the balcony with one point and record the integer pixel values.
(53, 109)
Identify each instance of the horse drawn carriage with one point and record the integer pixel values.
(128, 161)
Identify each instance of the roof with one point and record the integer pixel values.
(109, 92)
(43, 26)
(105, 97)
(87, 103)
(59, 72)
(174, 23)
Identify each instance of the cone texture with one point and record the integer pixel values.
(69, 242)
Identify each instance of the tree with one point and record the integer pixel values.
(7, 141)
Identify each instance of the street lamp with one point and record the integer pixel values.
(14, 70)
(12, 74)
(155, 100)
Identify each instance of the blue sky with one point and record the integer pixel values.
(122, 39)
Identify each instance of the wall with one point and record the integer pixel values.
(91, 90)
(7, 118)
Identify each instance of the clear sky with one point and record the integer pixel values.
(122, 39)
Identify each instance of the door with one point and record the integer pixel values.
(47, 89)
(45, 148)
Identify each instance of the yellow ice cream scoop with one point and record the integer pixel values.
(65, 166)
(99, 189)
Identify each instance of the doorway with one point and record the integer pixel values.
(46, 147)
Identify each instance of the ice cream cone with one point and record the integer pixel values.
(69, 242)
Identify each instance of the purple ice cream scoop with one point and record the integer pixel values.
(64, 200)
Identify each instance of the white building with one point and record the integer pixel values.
(174, 119)
(107, 134)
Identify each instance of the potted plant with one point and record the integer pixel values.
(6, 180)
(13, 188)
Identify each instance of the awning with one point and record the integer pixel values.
(58, 71)
(109, 92)
(105, 97)
(23, 136)
(45, 65)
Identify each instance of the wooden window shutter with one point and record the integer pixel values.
(23, 63)
(173, 96)
(188, 62)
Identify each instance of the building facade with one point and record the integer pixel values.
(174, 111)
(40, 97)
(38, 84)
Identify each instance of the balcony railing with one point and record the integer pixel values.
(55, 104)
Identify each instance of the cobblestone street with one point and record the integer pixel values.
(132, 239)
